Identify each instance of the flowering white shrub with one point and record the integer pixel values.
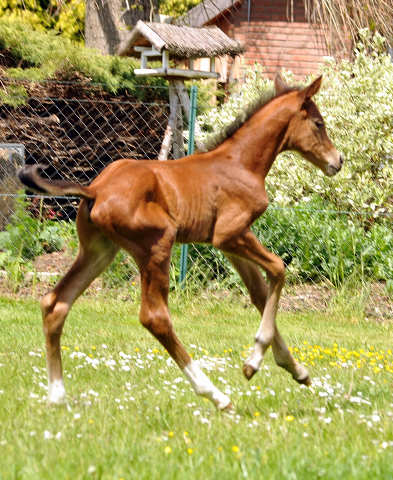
(356, 101)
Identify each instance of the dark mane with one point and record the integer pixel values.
(217, 138)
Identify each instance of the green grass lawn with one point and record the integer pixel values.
(132, 415)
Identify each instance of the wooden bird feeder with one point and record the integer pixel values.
(180, 44)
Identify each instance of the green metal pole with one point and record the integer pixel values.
(191, 131)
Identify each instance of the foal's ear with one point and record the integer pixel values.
(307, 93)
(280, 85)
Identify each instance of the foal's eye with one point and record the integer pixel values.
(319, 123)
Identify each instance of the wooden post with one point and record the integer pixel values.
(177, 127)
(174, 129)
(186, 104)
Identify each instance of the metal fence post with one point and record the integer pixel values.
(191, 131)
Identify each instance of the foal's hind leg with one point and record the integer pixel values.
(247, 253)
(96, 252)
(154, 316)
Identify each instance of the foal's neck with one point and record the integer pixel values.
(263, 136)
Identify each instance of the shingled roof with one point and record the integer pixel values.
(180, 40)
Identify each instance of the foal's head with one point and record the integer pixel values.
(306, 131)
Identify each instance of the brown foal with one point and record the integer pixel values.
(214, 197)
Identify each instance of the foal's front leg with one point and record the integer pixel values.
(259, 289)
(246, 253)
(154, 316)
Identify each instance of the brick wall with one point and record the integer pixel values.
(294, 46)
(272, 39)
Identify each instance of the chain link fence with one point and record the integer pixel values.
(326, 253)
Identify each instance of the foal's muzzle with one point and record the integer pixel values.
(335, 167)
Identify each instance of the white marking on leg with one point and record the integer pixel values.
(284, 359)
(204, 387)
(56, 392)
(263, 340)
(256, 357)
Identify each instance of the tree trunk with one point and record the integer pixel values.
(107, 22)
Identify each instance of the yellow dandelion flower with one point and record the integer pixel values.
(289, 418)
(190, 451)
(235, 448)
(219, 449)
(137, 349)
(91, 421)
(167, 449)
(257, 414)
(76, 348)
(93, 347)
(170, 434)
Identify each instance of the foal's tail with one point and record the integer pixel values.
(30, 177)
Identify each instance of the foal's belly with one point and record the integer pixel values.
(193, 229)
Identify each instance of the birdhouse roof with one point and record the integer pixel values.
(181, 41)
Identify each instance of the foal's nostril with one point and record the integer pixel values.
(341, 160)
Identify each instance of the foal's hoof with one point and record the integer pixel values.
(249, 371)
(304, 381)
(56, 401)
(228, 409)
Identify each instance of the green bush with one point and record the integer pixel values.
(46, 55)
(319, 245)
(26, 237)
(316, 245)
(68, 19)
